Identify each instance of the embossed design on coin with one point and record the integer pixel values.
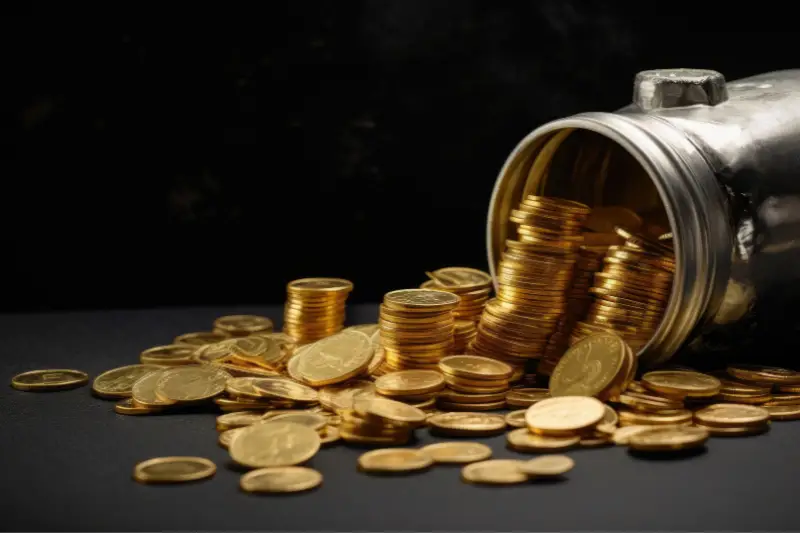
(192, 383)
(144, 390)
(668, 438)
(421, 298)
(200, 338)
(564, 415)
(390, 410)
(274, 444)
(589, 367)
(314, 421)
(118, 382)
(51, 379)
(342, 396)
(281, 479)
(173, 470)
(336, 358)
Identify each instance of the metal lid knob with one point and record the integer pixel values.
(678, 87)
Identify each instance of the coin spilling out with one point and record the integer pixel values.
(49, 380)
(118, 382)
(664, 439)
(394, 460)
(242, 325)
(474, 383)
(494, 472)
(417, 327)
(598, 365)
(281, 479)
(315, 308)
(274, 444)
(549, 466)
(173, 470)
(457, 452)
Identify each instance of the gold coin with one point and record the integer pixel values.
(732, 415)
(595, 440)
(649, 402)
(610, 417)
(191, 383)
(274, 444)
(313, 286)
(282, 388)
(168, 355)
(668, 439)
(242, 388)
(564, 415)
(764, 374)
(590, 367)
(226, 437)
(173, 470)
(603, 219)
(200, 338)
(421, 300)
(526, 397)
(127, 407)
(212, 353)
(783, 412)
(118, 382)
(462, 278)
(516, 419)
(524, 441)
(367, 329)
(457, 452)
(393, 460)
(390, 410)
(144, 394)
(549, 466)
(342, 395)
(784, 399)
(475, 424)
(494, 472)
(259, 350)
(475, 367)
(336, 358)
(486, 406)
(623, 435)
(241, 325)
(314, 421)
(743, 431)
(743, 398)
(408, 382)
(281, 479)
(329, 434)
(53, 379)
(452, 396)
(673, 417)
(679, 383)
(238, 419)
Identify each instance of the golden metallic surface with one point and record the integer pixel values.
(731, 415)
(564, 415)
(523, 440)
(662, 439)
(783, 412)
(603, 219)
(449, 395)
(764, 374)
(188, 384)
(226, 437)
(595, 440)
(525, 397)
(475, 367)
(485, 406)
(263, 350)
(342, 396)
(783, 399)
(315, 308)
(280, 479)
(494, 472)
(457, 452)
(335, 359)
(516, 419)
(314, 421)
(313, 286)
(753, 399)
(367, 329)
(409, 382)
(394, 460)
(200, 338)
(743, 431)
(285, 389)
(48, 380)
(681, 384)
(118, 382)
(127, 407)
(467, 423)
(649, 402)
(548, 466)
(389, 410)
(274, 444)
(173, 470)
(425, 300)
(242, 325)
(623, 435)
(329, 435)
(590, 367)
(640, 418)
(238, 419)
(462, 277)
(144, 390)
(168, 355)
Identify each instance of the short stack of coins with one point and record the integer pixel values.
(416, 328)
(414, 387)
(315, 308)
(474, 383)
(631, 292)
(380, 421)
(533, 276)
(590, 261)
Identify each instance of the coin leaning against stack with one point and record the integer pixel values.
(416, 328)
(315, 308)
(533, 276)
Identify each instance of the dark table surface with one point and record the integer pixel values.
(67, 461)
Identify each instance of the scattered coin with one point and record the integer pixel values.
(394, 460)
(335, 359)
(189, 384)
(457, 452)
(127, 407)
(342, 396)
(49, 380)
(516, 419)
(673, 417)
(663, 439)
(549, 466)
(523, 440)
(242, 325)
(564, 415)
(783, 412)
(743, 431)
(168, 355)
(274, 444)
(329, 434)
(732, 415)
(467, 424)
(226, 437)
(314, 421)
(475, 367)
(623, 435)
(681, 383)
(390, 410)
(281, 479)
(238, 419)
(594, 366)
(200, 338)
(764, 374)
(173, 470)
(118, 382)
(286, 389)
(144, 393)
(494, 472)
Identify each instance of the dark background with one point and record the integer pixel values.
(189, 158)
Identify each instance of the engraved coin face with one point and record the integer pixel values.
(336, 358)
(314, 421)
(144, 390)
(281, 479)
(200, 338)
(192, 383)
(468, 423)
(668, 438)
(55, 379)
(424, 299)
(118, 382)
(565, 414)
(390, 410)
(274, 444)
(238, 419)
(173, 470)
(589, 367)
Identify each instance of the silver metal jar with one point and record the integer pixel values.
(718, 162)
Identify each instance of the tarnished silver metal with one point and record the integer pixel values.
(724, 160)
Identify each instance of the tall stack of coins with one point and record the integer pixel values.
(417, 328)
(315, 308)
(532, 279)
(631, 292)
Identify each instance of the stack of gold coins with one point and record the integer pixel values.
(533, 276)
(417, 328)
(631, 292)
(415, 387)
(315, 308)
(464, 333)
(471, 285)
(251, 393)
(474, 383)
(380, 421)
(590, 261)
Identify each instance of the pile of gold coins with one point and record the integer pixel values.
(416, 328)
(533, 276)
(315, 308)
